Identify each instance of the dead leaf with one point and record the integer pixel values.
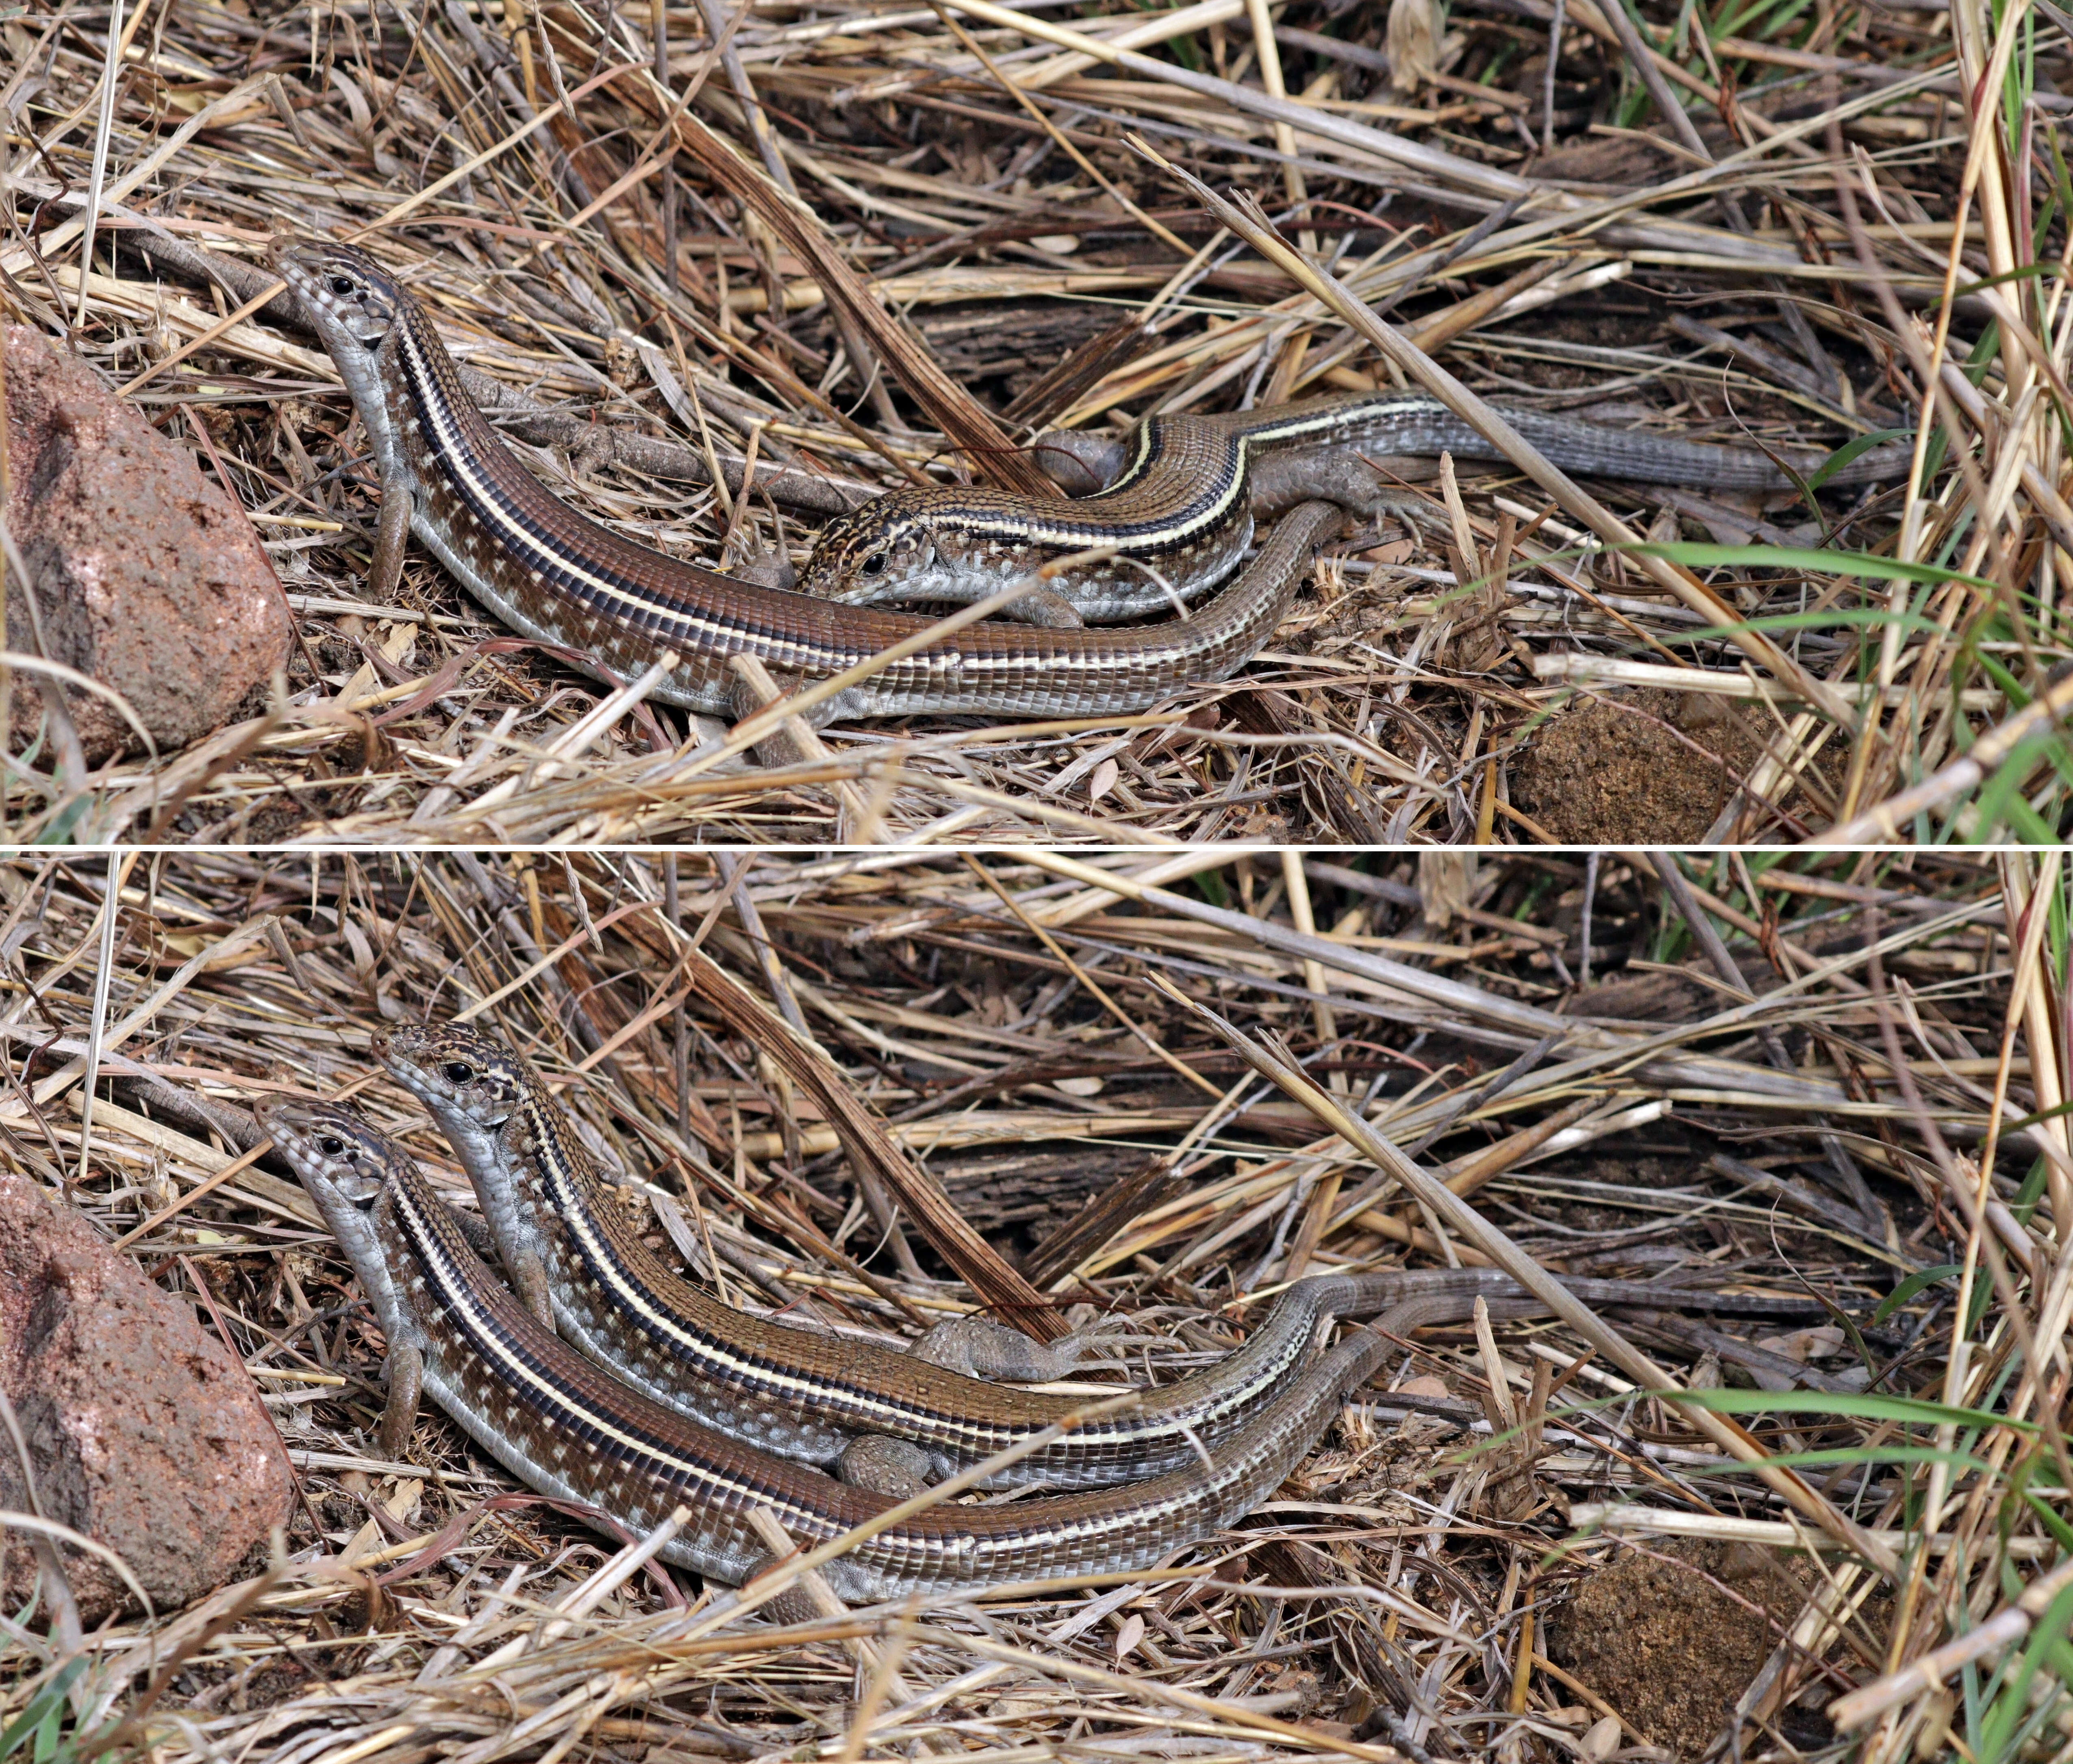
(1602, 1740)
(1819, 1341)
(1414, 41)
(1445, 881)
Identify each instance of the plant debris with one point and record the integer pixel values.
(1785, 1078)
(719, 272)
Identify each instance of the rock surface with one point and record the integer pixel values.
(143, 1433)
(148, 577)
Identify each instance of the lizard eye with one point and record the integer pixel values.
(874, 565)
(331, 1145)
(459, 1072)
(341, 285)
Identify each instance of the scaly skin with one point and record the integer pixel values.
(564, 1428)
(812, 1396)
(557, 576)
(1180, 514)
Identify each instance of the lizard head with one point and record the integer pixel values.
(922, 544)
(470, 1082)
(353, 301)
(881, 551)
(345, 1166)
(352, 1171)
(341, 1159)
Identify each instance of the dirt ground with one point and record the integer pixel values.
(1672, 1635)
(1630, 768)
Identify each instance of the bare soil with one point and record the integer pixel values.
(1672, 1635)
(1634, 767)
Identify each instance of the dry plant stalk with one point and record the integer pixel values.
(857, 1014)
(725, 271)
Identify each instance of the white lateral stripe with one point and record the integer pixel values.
(574, 1211)
(565, 1412)
(1093, 665)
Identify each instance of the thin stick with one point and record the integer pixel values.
(1051, 130)
(118, 46)
(118, 871)
(1547, 85)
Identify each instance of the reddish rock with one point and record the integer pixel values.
(148, 577)
(143, 1433)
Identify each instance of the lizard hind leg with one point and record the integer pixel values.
(1281, 480)
(768, 570)
(1041, 606)
(1080, 462)
(793, 742)
(794, 1605)
(877, 1462)
(977, 1347)
(980, 1348)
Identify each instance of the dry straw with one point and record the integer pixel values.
(886, 224)
(822, 1082)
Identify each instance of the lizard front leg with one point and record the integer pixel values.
(392, 532)
(399, 1414)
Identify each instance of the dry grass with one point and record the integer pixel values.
(1403, 1590)
(1854, 194)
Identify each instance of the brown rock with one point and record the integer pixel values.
(144, 1433)
(148, 577)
